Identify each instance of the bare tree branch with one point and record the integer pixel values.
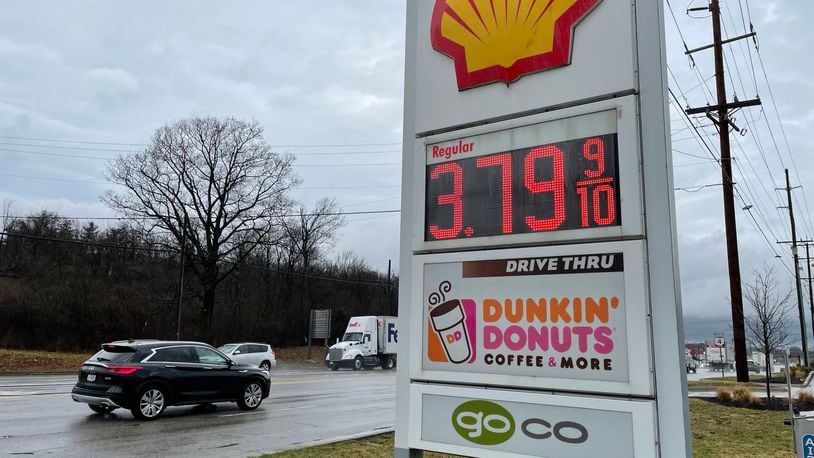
(767, 323)
(214, 185)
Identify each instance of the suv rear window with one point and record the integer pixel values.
(117, 357)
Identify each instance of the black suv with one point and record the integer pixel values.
(146, 376)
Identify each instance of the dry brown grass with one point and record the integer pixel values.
(299, 355)
(743, 394)
(806, 397)
(28, 361)
(33, 361)
(723, 394)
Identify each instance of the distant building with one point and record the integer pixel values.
(696, 350)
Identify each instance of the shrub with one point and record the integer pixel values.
(799, 372)
(723, 394)
(806, 397)
(742, 393)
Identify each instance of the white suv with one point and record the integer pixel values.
(256, 354)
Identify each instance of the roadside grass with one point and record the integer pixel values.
(380, 445)
(299, 355)
(34, 361)
(755, 381)
(717, 431)
(31, 361)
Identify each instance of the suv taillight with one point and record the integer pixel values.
(124, 370)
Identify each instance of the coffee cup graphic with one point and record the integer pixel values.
(448, 321)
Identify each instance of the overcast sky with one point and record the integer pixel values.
(331, 73)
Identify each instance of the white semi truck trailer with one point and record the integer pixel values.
(369, 341)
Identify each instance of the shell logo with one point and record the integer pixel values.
(502, 40)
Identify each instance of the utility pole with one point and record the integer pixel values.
(800, 309)
(389, 288)
(810, 292)
(181, 281)
(723, 122)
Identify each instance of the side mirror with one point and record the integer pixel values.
(237, 352)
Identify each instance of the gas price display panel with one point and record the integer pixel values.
(474, 192)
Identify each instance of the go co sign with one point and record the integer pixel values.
(488, 423)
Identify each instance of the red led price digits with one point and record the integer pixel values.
(453, 199)
(567, 185)
(556, 186)
(594, 150)
(505, 162)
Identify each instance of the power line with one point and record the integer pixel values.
(42, 153)
(72, 141)
(697, 188)
(68, 180)
(689, 154)
(79, 156)
(145, 218)
(335, 145)
(377, 164)
(785, 138)
(75, 148)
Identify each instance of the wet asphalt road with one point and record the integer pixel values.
(306, 406)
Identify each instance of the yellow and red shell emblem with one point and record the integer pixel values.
(502, 40)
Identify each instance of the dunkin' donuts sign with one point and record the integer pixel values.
(555, 316)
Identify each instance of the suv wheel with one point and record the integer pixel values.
(150, 403)
(265, 365)
(252, 396)
(358, 363)
(101, 409)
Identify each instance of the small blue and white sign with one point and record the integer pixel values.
(808, 446)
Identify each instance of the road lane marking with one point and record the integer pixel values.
(293, 382)
(17, 394)
(266, 411)
(19, 385)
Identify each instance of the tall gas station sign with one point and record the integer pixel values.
(539, 273)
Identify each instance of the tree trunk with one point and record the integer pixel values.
(769, 379)
(206, 313)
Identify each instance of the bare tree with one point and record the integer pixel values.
(5, 221)
(214, 185)
(313, 230)
(767, 324)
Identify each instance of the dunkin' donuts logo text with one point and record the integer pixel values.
(514, 328)
(537, 327)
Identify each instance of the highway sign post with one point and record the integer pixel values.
(539, 285)
(319, 326)
(720, 343)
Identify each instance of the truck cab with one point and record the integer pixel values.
(369, 341)
(692, 365)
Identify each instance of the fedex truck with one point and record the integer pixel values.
(369, 341)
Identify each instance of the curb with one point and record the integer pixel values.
(304, 445)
